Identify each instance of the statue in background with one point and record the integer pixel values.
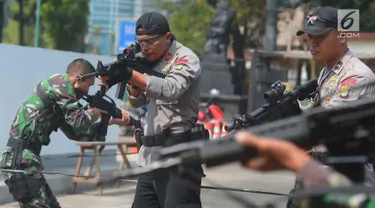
(218, 31)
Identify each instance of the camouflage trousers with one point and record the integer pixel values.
(43, 199)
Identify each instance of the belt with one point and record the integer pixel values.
(19, 145)
(196, 133)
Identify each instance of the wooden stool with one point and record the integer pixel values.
(98, 147)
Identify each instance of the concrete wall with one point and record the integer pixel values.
(22, 68)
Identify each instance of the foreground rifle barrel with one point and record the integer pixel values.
(352, 124)
(344, 127)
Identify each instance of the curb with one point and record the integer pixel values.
(63, 185)
(60, 185)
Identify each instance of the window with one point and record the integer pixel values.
(100, 22)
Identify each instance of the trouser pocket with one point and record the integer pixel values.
(24, 187)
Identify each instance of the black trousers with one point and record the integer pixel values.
(169, 189)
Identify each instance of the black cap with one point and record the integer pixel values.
(152, 23)
(320, 21)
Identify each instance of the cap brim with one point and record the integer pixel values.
(313, 30)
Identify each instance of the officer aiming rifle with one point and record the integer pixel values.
(172, 107)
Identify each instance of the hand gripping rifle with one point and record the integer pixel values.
(133, 58)
(279, 104)
(98, 101)
(346, 131)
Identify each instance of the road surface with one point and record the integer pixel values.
(232, 176)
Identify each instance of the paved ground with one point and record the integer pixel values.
(230, 176)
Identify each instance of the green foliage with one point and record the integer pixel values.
(189, 25)
(11, 34)
(12, 31)
(367, 23)
(251, 15)
(188, 21)
(65, 24)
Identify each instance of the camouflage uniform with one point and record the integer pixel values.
(52, 104)
(316, 175)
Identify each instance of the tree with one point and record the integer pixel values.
(22, 22)
(188, 21)
(248, 25)
(65, 24)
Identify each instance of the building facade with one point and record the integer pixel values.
(103, 22)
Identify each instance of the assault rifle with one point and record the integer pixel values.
(101, 101)
(345, 131)
(279, 104)
(130, 57)
(133, 58)
(98, 101)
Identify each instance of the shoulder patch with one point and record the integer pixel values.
(346, 85)
(181, 61)
(349, 81)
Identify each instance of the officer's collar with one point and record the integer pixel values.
(171, 52)
(342, 62)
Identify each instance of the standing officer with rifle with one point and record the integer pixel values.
(172, 111)
(343, 71)
(53, 104)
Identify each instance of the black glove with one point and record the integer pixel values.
(117, 73)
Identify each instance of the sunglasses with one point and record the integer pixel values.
(149, 41)
(311, 19)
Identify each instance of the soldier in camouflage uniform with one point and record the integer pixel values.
(276, 154)
(53, 104)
